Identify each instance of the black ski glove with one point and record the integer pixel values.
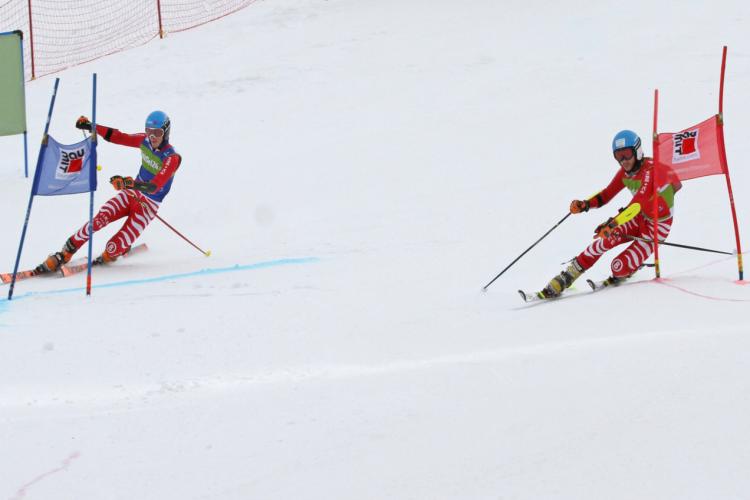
(83, 123)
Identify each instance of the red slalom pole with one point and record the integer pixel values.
(723, 154)
(655, 239)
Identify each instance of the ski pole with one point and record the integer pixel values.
(646, 240)
(484, 289)
(206, 253)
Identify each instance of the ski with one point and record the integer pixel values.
(571, 292)
(20, 275)
(607, 283)
(597, 285)
(69, 269)
(532, 297)
(594, 285)
(76, 266)
(82, 264)
(539, 296)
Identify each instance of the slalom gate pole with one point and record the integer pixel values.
(655, 242)
(25, 141)
(722, 152)
(92, 181)
(34, 186)
(688, 247)
(484, 289)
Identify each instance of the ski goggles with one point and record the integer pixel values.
(156, 133)
(624, 154)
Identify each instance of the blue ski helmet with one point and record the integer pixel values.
(628, 139)
(159, 119)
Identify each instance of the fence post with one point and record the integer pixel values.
(158, 10)
(31, 42)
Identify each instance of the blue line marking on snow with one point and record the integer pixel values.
(169, 277)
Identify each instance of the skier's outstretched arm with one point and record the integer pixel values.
(111, 134)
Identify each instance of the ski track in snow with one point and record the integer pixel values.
(21, 493)
(105, 398)
(703, 295)
(168, 277)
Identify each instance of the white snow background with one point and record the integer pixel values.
(405, 152)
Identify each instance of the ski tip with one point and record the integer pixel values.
(523, 295)
(591, 284)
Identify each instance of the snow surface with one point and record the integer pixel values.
(359, 170)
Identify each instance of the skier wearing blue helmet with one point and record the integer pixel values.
(158, 120)
(632, 225)
(137, 199)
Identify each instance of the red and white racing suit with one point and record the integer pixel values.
(641, 185)
(158, 167)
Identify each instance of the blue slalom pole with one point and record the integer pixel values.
(92, 183)
(25, 141)
(34, 187)
(25, 156)
(23, 89)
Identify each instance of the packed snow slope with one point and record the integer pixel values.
(359, 170)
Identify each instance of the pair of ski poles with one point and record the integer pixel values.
(646, 240)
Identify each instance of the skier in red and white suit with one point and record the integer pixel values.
(637, 175)
(137, 199)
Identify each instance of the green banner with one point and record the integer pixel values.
(12, 100)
